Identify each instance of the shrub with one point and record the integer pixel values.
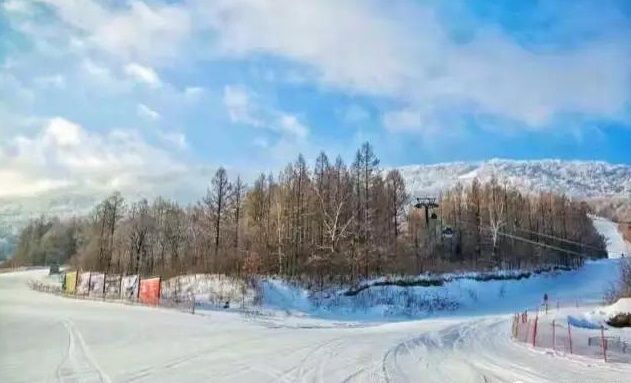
(620, 320)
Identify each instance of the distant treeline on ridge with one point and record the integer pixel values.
(329, 222)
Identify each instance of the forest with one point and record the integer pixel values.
(328, 222)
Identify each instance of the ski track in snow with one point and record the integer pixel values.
(78, 365)
(48, 338)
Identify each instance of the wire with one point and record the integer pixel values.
(558, 238)
(526, 240)
(538, 243)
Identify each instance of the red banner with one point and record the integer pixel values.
(150, 291)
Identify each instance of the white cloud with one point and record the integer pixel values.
(65, 156)
(406, 53)
(238, 103)
(62, 132)
(143, 74)
(18, 6)
(243, 108)
(96, 70)
(403, 52)
(147, 113)
(289, 124)
(134, 30)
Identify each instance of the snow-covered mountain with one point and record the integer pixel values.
(581, 179)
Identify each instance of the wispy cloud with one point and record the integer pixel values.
(147, 113)
(242, 107)
(143, 74)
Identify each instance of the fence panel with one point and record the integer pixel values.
(112, 286)
(97, 284)
(150, 291)
(83, 286)
(558, 331)
(70, 282)
(129, 287)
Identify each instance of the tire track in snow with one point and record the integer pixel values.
(78, 365)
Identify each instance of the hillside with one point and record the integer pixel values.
(582, 179)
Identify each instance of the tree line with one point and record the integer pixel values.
(329, 221)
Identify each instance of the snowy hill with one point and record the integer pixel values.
(586, 179)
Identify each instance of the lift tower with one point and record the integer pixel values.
(427, 203)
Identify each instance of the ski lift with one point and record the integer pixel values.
(434, 216)
(448, 232)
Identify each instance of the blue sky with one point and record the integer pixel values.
(98, 95)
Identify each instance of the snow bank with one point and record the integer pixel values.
(622, 306)
(458, 295)
(582, 322)
(599, 316)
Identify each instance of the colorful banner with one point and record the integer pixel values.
(70, 282)
(97, 284)
(112, 286)
(150, 291)
(129, 287)
(83, 287)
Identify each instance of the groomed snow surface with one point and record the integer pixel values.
(616, 245)
(44, 337)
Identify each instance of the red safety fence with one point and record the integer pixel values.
(149, 291)
(557, 330)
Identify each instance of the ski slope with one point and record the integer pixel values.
(46, 338)
(616, 244)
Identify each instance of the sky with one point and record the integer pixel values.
(154, 95)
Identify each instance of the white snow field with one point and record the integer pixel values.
(48, 338)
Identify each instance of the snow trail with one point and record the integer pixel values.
(616, 244)
(48, 338)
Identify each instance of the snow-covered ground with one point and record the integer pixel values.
(50, 338)
(45, 338)
(616, 245)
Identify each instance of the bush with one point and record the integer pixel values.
(620, 320)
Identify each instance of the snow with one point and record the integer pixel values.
(622, 306)
(51, 338)
(460, 296)
(599, 316)
(44, 337)
(616, 245)
(574, 178)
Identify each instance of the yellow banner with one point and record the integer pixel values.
(70, 282)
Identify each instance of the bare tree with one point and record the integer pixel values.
(216, 200)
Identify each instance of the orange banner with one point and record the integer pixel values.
(150, 291)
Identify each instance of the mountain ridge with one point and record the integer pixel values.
(575, 178)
